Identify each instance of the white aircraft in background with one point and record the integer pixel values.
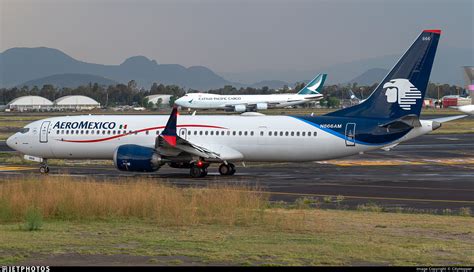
(469, 109)
(353, 97)
(242, 103)
(145, 143)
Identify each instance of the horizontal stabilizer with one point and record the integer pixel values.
(410, 120)
(447, 119)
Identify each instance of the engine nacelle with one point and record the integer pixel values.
(240, 108)
(262, 106)
(136, 158)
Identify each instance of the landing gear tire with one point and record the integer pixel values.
(227, 169)
(232, 169)
(44, 169)
(197, 172)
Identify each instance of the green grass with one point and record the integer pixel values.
(335, 238)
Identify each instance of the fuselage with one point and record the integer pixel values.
(257, 138)
(215, 101)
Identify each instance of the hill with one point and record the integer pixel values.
(370, 77)
(69, 80)
(21, 65)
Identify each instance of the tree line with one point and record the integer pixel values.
(130, 94)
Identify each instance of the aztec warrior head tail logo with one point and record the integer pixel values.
(401, 90)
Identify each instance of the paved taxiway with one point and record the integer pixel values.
(430, 172)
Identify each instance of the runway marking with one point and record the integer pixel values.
(370, 197)
(4, 168)
(452, 161)
(389, 187)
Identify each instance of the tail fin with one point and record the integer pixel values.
(315, 86)
(402, 91)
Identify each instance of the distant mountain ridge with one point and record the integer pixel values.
(20, 65)
(69, 80)
(369, 77)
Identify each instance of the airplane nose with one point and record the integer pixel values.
(10, 142)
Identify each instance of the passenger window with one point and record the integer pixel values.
(228, 133)
(206, 132)
(67, 131)
(309, 133)
(77, 132)
(245, 133)
(281, 133)
(157, 132)
(303, 133)
(315, 133)
(286, 133)
(292, 133)
(212, 132)
(147, 132)
(200, 132)
(87, 132)
(234, 133)
(240, 133)
(261, 133)
(195, 132)
(251, 133)
(270, 133)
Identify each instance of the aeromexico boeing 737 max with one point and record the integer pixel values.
(145, 143)
(241, 103)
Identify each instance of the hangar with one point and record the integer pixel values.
(165, 99)
(30, 102)
(75, 102)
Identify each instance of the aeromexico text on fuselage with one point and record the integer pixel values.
(87, 125)
(367, 131)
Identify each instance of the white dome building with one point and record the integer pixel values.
(165, 99)
(76, 102)
(30, 102)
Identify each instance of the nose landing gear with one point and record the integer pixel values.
(44, 169)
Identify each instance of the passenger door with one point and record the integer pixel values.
(44, 132)
(350, 134)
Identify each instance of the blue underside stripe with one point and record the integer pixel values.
(337, 134)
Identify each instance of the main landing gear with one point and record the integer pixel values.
(227, 169)
(44, 169)
(198, 170)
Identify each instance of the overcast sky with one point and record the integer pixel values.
(233, 35)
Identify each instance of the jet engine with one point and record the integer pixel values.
(262, 106)
(136, 158)
(240, 108)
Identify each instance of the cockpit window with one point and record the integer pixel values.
(24, 130)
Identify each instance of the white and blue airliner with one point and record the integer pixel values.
(145, 143)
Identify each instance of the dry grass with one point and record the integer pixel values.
(67, 199)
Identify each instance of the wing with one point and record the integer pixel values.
(168, 143)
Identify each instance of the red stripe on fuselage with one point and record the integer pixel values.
(133, 132)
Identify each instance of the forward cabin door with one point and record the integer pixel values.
(44, 132)
(350, 134)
